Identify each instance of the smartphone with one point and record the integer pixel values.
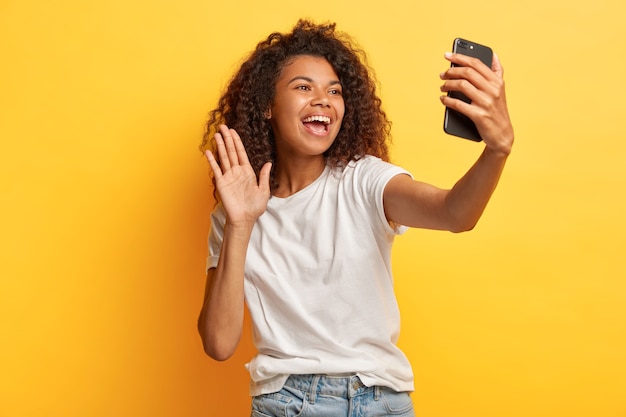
(455, 123)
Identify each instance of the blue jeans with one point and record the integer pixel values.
(331, 396)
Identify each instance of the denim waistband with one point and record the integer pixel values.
(344, 386)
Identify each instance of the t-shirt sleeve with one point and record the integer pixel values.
(372, 175)
(216, 235)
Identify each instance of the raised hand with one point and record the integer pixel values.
(484, 86)
(243, 197)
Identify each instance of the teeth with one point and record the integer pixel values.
(322, 119)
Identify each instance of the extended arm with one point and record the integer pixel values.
(244, 200)
(417, 204)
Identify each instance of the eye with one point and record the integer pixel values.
(303, 87)
(335, 92)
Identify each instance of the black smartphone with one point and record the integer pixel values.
(455, 123)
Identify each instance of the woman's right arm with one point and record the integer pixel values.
(244, 200)
(221, 317)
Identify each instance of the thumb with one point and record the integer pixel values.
(496, 66)
(264, 176)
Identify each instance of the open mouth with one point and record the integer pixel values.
(317, 124)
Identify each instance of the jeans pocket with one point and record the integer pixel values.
(397, 403)
(285, 403)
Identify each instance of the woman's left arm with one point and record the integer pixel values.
(416, 204)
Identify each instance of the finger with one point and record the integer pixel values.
(462, 61)
(221, 152)
(264, 176)
(466, 87)
(458, 105)
(468, 81)
(215, 167)
(467, 73)
(242, 155)
(496, 66)
(229, 144)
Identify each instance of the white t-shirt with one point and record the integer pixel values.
(318, 281)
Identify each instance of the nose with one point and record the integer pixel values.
(320, 99)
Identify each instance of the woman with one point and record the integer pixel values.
(308, 209)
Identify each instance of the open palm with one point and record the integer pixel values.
(244, 199)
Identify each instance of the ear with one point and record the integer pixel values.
(267, 114)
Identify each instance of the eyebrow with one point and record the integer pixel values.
(308, 79)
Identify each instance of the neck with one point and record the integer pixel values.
(294, 175)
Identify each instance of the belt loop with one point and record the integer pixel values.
(313, 388)
(376, 393)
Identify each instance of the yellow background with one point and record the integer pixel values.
(105, 202)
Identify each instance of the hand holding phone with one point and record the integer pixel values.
(456, 123)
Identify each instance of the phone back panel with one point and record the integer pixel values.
(456, 123)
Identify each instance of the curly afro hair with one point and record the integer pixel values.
(365, 129)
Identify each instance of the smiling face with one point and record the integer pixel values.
(308, 108)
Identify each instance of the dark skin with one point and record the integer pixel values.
(406, 201)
